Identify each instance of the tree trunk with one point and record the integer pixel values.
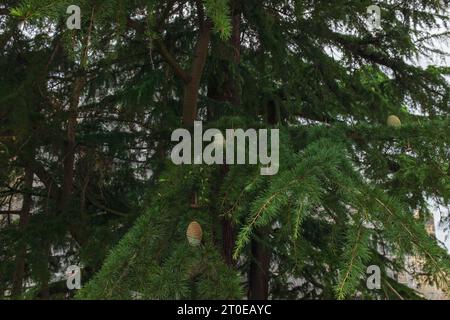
(192, 87)
(261, 253)
(19, 270)
(228, 239)
(259, 267)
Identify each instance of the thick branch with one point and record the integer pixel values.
(163, 50)
(168, 57)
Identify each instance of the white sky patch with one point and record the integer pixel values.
(442, 224)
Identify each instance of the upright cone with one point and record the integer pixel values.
(194, 234)
(394, 121)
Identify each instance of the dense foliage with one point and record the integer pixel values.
(86, 118)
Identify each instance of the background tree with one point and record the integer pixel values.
(86, 119)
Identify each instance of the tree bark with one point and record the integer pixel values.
(259, 267)
(191, 88)
(259, 274)
(228, 229)
(229, 239)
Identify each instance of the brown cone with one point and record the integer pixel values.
(194, 233)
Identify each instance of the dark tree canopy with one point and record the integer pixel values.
(86, 117)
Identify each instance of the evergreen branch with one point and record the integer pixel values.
(219, 12)
(393, 290)
(298, 218)
(240, 196)
(357, 242)
(416, 241)
(270, 199)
